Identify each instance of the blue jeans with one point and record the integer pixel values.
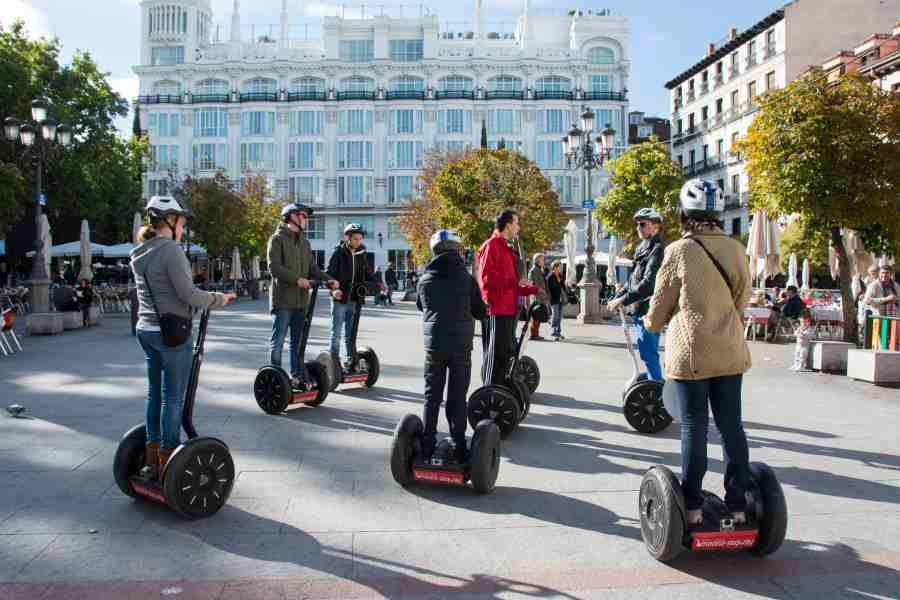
(556, 322)
(167, 375)
(342, 318)
(695, 398)
(648, 348)
(284, 319)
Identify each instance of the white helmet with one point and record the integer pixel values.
(443, 238)
(159, 207)
(701, 199)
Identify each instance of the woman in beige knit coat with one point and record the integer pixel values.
(701, 291)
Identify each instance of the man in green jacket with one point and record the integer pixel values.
(292, 266)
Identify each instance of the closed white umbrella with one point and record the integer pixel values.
(792, 271)
(805, 277)
(756, 243)
(136, 227)
(772, 265)
(46, 241)
(85, 272)
(236, 265)
(255, 270)
(569, 242)
(611, 278)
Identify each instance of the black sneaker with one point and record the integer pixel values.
(461, 455)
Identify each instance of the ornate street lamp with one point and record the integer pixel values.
(582, 152)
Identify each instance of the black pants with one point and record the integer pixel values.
(437, 367)
(499, 346)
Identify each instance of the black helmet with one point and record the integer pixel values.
(295, 207)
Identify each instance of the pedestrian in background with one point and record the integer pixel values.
(537, 278)
(390, 280)
(881, 295)
(559, 297)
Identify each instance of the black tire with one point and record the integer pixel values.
(496, 403)
(404, 447)
(527, 368)
(773, 523)
(523, 397)
(129, 458)
(199, 478)
(644, 409)
(372, 364)
(332, 369)
(662, 522)
(272, 389)
(317, 374)
(484, 456)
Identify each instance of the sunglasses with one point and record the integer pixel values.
(642, 224)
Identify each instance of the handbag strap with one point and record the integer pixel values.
(718, 266)
(149, 289)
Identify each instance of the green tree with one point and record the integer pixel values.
(11, 191)
(472, 190)
(829, 152)
(642, 176)
(261, 217)
(219, 220)
(812, 244)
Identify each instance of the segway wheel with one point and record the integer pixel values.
(272, 389)
(406, 443)
(528, 370)
(643, 407)
(372, 365)
(129, 458)
(323, 384)
(484, 456)
(199, 478)
(523, 396)
(332, 368)
(773, 521)
(662, 521)
(496, 403)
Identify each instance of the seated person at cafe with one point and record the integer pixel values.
(791, 307)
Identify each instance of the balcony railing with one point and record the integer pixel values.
(732, 201)
(504, 95)
(308, 95)
(553, 95)
(455, 94)
(705, 166)
(204, 98)
(160, 99)
(405, 95)
(259, 97)
(678, 104)
(614, 96)
(358, 95)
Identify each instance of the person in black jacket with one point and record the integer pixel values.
(85, 298)
(349, 266)
(556, 287)
(451, 300)
(390, 279)
(647, 259)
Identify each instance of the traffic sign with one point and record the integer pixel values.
(588, 204)
(42, 199)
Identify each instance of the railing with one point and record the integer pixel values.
(203, 98)
(300, 96)
(732, 201)
(710, 164)
(406, 95)
(455, 94)
(882, 333)
(678, 104)
(356, 95)
(504, 95)
(613, 96)
(553, 95)
(160, 99)
(260, 97)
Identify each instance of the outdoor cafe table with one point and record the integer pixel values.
(754, 316)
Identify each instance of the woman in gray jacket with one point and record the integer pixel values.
(164, 285)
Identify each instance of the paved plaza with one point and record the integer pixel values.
(315, 513)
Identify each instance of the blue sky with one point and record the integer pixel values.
(667, 37)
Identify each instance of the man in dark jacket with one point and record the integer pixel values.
(390, 278)
(292, 265)
(450, 299)
(647, 259)
(348, 265)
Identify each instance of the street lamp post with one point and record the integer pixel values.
(36, 137)
(584, 153)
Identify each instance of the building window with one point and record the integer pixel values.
(562, 185)
(735, 61)
(734, 140)
(455, 120)
(305, 155)
(456, 83)
(260, 85)
(258, 156)
(679, 126)
(354, 189)
(210, 87)
(645, 131)
(554, 121)
(736, 227)
(258, 123)
(208, 157)
(681, 160)
(163, 124)
(305, 122)
(357, 84)
(210, 122)
(406, 50)
(404, 155)
(704, 114)
(355, 155)
(736, 184)
(770, 41)
(167, 88)
(166, 56)
(357, 50)
(164, 157)
(511, 145)
(770, 81)
(452, 146)
(504, 121)
(549, 155)
(401, 188)
(394, 231)
(720, 106)
(505, 83)
(405, 121)
(307, 189)
(601, 56)
(691, 122)
(735, 98)
(720, 148)
(407, 84)
(553, 84)
(692, 155)
(308, 85)
(751, 90)
(315, 225)
(355, 122)
(600, 84)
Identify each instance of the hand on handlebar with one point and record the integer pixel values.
(303, 283)
(338, 295)
(228, 298)
(333, 284)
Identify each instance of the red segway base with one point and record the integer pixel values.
(303, 397)
(703, 541)
(361, 378)
(149, 490)
(445, 474)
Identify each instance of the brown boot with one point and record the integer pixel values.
(151, 460)
(164, 454)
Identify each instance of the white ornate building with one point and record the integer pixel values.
(342, 122)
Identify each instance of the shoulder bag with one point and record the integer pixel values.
(175, 329)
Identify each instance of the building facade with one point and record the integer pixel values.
(713, 102)
(876, 58)
(641, 127)
(342, 122)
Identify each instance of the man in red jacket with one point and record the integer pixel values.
(500, 285)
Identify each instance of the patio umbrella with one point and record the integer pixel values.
(772, 262)
(611, 278)
(254, 268)
(136, 228)
(792, 271)
(756, 242)
(46, 240)
(860, 260)
(236, 265)
(85, 272)
(569, 243)
(805, 277)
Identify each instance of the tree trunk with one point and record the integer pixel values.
(848, 302)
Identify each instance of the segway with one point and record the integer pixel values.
(408, 464)
(364, 366)
(199, 476)
(664, 523)
(642, 401)
(272, 387)
(507, 405)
